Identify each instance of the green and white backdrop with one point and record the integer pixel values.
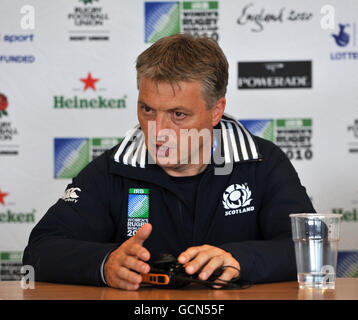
(68, 92)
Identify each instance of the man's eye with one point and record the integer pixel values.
(179, 115)
(147, 109)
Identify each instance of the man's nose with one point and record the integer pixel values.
(161, 124)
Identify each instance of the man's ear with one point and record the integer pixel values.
(217, 111)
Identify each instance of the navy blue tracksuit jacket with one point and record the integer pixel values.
(245, 212)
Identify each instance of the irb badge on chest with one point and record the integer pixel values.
(138, 209)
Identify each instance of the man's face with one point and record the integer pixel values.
(165, 111)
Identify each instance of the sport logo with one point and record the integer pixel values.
(71, 195)
(138, 209)
(199, 18)
(237, 199)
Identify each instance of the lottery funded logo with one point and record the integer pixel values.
(138, 209)
(293, 136)
(345, 38)
(164, 18)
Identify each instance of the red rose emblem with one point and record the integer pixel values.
(3, 105)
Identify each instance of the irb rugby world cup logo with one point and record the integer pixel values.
(237, 199)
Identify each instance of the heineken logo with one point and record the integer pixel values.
(88, 101)
(347, 215)
(89, 82)
(2, 197)
(62, 102)
(138, 209)
(17, 217)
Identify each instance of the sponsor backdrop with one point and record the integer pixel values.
(68, 92)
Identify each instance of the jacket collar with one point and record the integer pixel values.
(232, 143)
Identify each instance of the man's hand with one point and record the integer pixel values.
(120, 267)
(206, 259)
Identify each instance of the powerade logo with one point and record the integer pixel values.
(199, 18)
(73, 154)
(345, 38)
(275, 75)
(293, 136)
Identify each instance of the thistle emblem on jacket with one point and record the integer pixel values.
(237, 199)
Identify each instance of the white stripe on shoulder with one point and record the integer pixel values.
(142, 155)
(225, 142)
(139, 145)
(130, 149)
(243, 148)
(233, 141)
(251, 142)
(124, 143)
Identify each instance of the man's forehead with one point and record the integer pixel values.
(174, 85)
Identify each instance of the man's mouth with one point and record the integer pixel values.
(161, 151)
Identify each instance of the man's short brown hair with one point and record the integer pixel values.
(182, 57)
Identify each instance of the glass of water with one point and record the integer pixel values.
(316, 237)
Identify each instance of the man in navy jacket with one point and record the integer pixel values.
(188, 180)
